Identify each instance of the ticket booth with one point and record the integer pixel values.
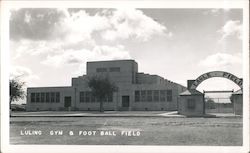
(191, 103)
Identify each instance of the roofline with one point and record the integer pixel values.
(50, 87)
(190, 94)
(112, 61)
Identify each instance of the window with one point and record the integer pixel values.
(52, 96)
(149, 95)
(87, 97)
(169, 95)
(162, 95)
(101, 70)
(143, 95)
(92, 97)
(42, 97)
(37, 97)
(137, 96)
(191, 104)
(114, 69)
(57, 97)
(82, 97)
(33, 97)
(156, 95)
(47, 97)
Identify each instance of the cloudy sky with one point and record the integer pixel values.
(50, 46)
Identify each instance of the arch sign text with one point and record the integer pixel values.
(212, 74)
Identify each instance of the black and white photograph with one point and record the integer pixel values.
(128, 76)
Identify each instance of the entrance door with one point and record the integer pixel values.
(67, 102)
(125, 102)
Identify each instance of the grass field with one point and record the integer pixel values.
(153, 131)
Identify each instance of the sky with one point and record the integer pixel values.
(50, 46)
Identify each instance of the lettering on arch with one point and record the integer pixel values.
(221, 74)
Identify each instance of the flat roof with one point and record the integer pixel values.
(123, 60)
(50, 87)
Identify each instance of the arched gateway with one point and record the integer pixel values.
(191, 101)
(205, 76)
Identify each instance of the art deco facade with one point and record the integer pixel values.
(136, 91)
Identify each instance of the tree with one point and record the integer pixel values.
(16, 89)
(101, 88)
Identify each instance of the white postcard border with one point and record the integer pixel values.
(6, 5)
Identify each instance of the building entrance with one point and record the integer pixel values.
(125, 102)
(67, 102)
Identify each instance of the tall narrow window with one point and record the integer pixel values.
(149, 95)
(156, 95)
(42, 97)
(169, 95)
(82, 97)
(57, 97)
(33, 98)
(143, 95)
(92, 97)
(137, 96)
(52, 94)
(37, 97)
(87, 98)
(162, 95)
(47, 97)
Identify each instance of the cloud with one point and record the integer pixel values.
(60, 37)
(34, 23)
(80, 26)
(221, 60)
(67, 57)
(23, 72)
(111, 24)
(110, 53)
(100, 53)
(215, 11)
(82, 56)
(26, 47)
(64, 37)
(231, 28)
(44, 24)
(44, 31)
(132, 23)
(27, 18)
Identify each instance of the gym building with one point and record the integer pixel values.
(136, 91)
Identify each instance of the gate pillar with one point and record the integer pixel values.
(237, 99)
